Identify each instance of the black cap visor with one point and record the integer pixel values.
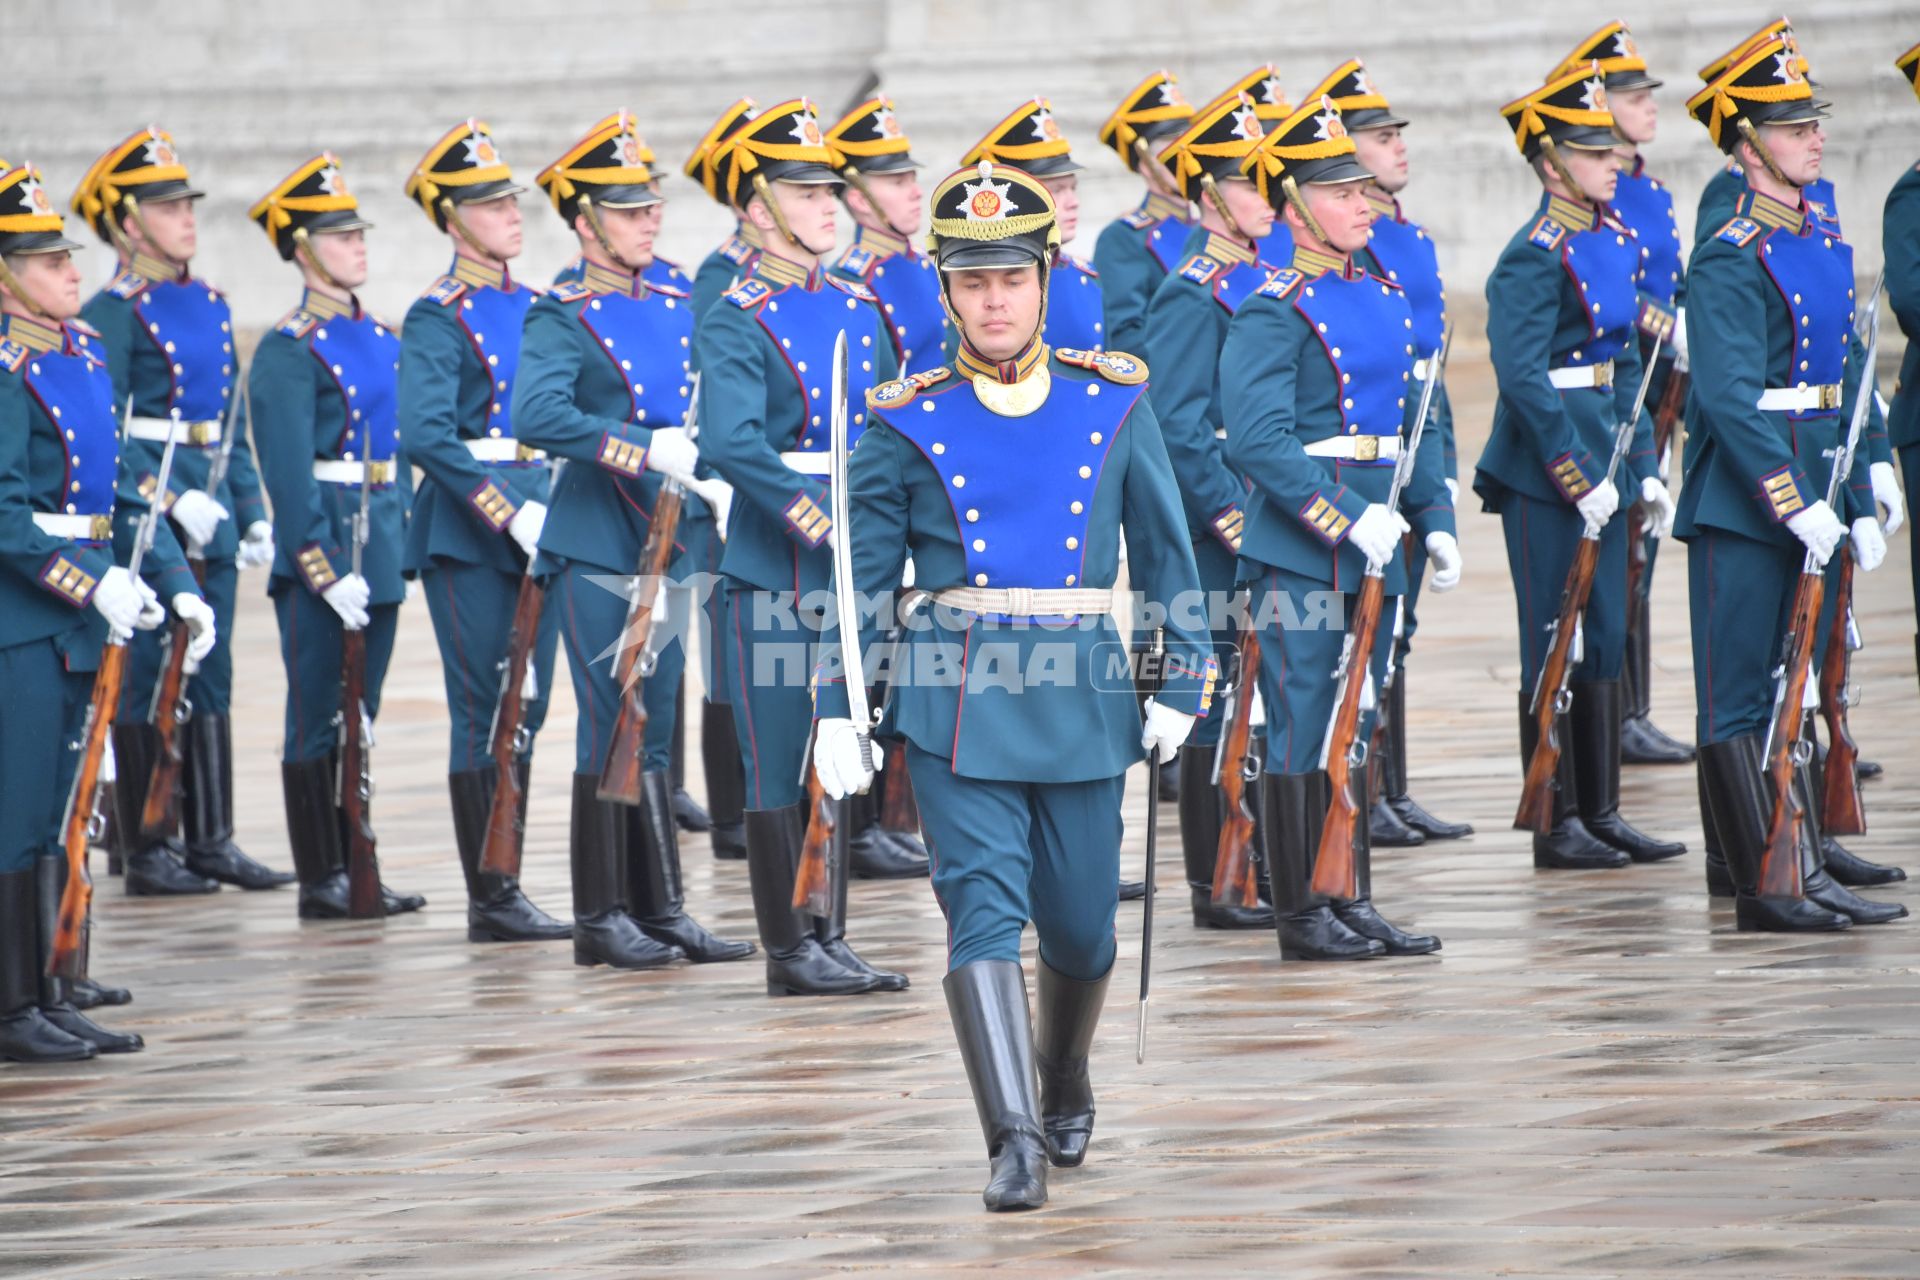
(1049, 166)
(804, 173)
(633, 195)
(24, 243)
(161, 192)
(334, 221)
(988, 255)
(1330, 172)
(896, 162)
(481, 192)
(1371, 118)
(1625, 81)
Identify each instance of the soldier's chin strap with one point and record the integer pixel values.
(303, 246)
(859, 183)
(592, 215)
(1761, 149)
(117, 232)
(764, 189)
(1559, 165)
(11, 283)
(451, 212)
(1147, 163)
(1299, 204)
(1210, 191)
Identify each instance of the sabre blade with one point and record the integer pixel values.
(846, 607)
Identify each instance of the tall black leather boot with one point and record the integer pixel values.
(1393, 773)
(988, 1003)
(1843, 864)
(1293, 807)
(1385, 826)
(152, 868)
(1719, 875)
(797, 965)
(655, 894)
(687, 813)
(1569, 846)
(875, 853)
(25, 1033)
(831, 931)
(726, 780)
(313, 831)
(1062, 1039)
(1741, 800)
(1596, 772)
(1200, 823)
(1816, 883)
(497, 909)
(1642, 741)
(56, 994)
(207, 809)
(1359, 915)
(603, 931)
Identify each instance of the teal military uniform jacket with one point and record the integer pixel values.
(1133, 254)
(66, 464)
(908, 287)
(766, 386)
(1564, 294)
(1900, 242)
(718, 272)
(169, 345)
(1314, 354)
(1036, 501)
(1186, 326)
(1767, 283)
(324, 387)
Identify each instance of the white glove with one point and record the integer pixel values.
(1444, 550)
(673, 453)
(1680, 364)
(198, 616)
(256, 547)
(122, 600)
(1886, 492)
(1166, 729)
(1453, 492)
(1810, 694)
(1599, 504)
(836, 758)
(1655, 495)
(1869, 544)
(1377, 533)
(717, 494)
(349, 597)
(197, 515)
(1818, 528)
(526, 525)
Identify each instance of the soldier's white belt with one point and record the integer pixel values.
(56, 524)
(1582, 375)
(1800, 399)
(504, 449)
(156, 430)
(809, 463)
(1027, 602)
(1356, 448)
(338, 472)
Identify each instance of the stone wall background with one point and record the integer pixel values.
(251, 90)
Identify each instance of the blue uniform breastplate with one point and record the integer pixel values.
(76, 394)
(1364, 326)
(803, 325)
(1277, 245)
(363, 357)
(646, 339)
(1164, 243)
(1407, 254)
(191, 327)
(1075, 308)
(1814, 274)
(492, 319)
(1237, 283)
(908, 286)
(1021, 489)
(1647, 208)
(1822, 206)
(1605, 266)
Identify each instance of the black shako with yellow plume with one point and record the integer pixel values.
(312, 200)
(463, 167)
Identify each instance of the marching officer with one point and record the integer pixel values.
(1316, 378)
(766, 358)
(1775, 374)
(1042, 456)
(168, 343)
(322, 392)
(1135, 251)
(477, 517)
(66, 523)
(1644, 205)
(1186, 325)
(1402, 251)
(1030, 138)
(1900, 242)
(1561, 310)
(603, 383)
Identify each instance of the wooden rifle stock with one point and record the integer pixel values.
(1842, 812)
(1780, 860)
(813, 880)
(899, 811)
(1235, 877)
(1335, 874)
(355, 783)
(168, 718)
(501, 849)
(67, 957)
(620, 772)
(1536, 795)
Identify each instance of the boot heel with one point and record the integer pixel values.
(585, 958)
